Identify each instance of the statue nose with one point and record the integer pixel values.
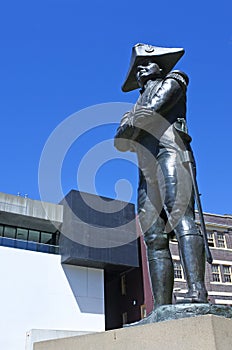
(141, 68)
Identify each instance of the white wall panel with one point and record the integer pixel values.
(37, 292)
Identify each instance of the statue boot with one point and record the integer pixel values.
(162, 276)
(192, 254)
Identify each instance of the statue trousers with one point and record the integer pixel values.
(165, 199)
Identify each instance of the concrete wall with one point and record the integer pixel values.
(26, 212)
(98, 231)
(30, 207)
(37, 292)
(194, 333)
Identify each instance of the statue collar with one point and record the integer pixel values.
(150, 84)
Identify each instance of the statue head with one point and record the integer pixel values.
(164, 58)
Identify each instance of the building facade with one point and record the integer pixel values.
(37, 291)
(80, 266)
(61, 267)
(218, 276)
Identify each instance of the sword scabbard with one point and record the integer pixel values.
(187, 158)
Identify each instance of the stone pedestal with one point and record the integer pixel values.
(207, 332)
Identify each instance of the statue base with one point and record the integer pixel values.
(203, 332)
(176, 311)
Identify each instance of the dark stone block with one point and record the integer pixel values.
(98, 232)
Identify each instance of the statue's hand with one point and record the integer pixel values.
(142, 116)
(127, 128)
(126, 133)
(127, 119)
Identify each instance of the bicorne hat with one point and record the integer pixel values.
(165, 57)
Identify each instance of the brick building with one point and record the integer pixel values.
(218, 275)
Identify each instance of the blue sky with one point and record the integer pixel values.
(60, 56)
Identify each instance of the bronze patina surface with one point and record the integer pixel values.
(156, 130)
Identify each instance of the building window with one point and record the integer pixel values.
(221, 240)
(24, 238)
(211, 239)
(33, 236)
(9, 232)
(22, 233)
(143, 311)
(123, 284)
(227, 273)
(124, 318)
(46, 238)
(178, 271)
(216, 273)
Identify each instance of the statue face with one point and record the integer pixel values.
(147, 71)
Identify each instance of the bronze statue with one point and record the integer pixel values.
(156, 130)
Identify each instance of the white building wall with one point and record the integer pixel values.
(37, 292)
(37, 335)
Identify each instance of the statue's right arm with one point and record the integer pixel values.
(171, 91)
